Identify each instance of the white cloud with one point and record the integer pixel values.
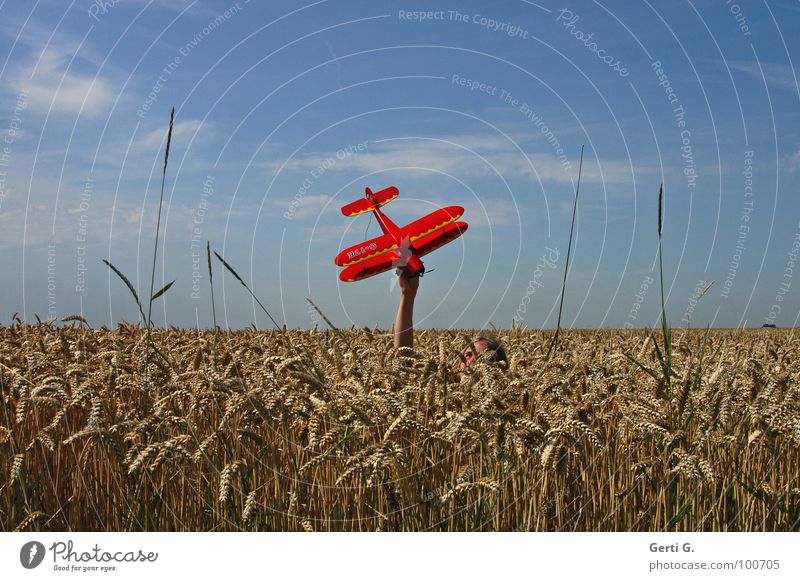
(182, 133)
(27, 224)
(497, 212)
(792, 161)
(309, 206)
(325, 233)
(146, 156)
(49, 86)
(500, 212)
(168, 4)
(500, 156)
(774, 74)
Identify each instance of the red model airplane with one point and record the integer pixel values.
(398, 247)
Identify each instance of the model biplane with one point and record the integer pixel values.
(398, 247)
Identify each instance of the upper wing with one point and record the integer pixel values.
(430, 223)
(366, 250)
(371, 267)
(439, 238)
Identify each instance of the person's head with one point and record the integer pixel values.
(483, 343)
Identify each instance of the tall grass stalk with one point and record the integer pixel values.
(128, 284)
(153, 296)
(158, 227)
(566, 266)
(666, 363)
(665, 358)
(252, 294)
(211, 284)
(323, 315)
(700, 296)
(280, 328)
(664, 324)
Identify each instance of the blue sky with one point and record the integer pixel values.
(285, 111)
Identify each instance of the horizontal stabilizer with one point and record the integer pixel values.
(368, 204)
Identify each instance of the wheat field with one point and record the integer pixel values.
(337, 431)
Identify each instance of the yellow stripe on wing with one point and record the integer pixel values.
(442, 225)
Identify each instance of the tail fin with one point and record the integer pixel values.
(370, 201)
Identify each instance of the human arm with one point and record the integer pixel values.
(404, 322)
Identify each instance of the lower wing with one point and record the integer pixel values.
(370, 267)
(366, 250)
